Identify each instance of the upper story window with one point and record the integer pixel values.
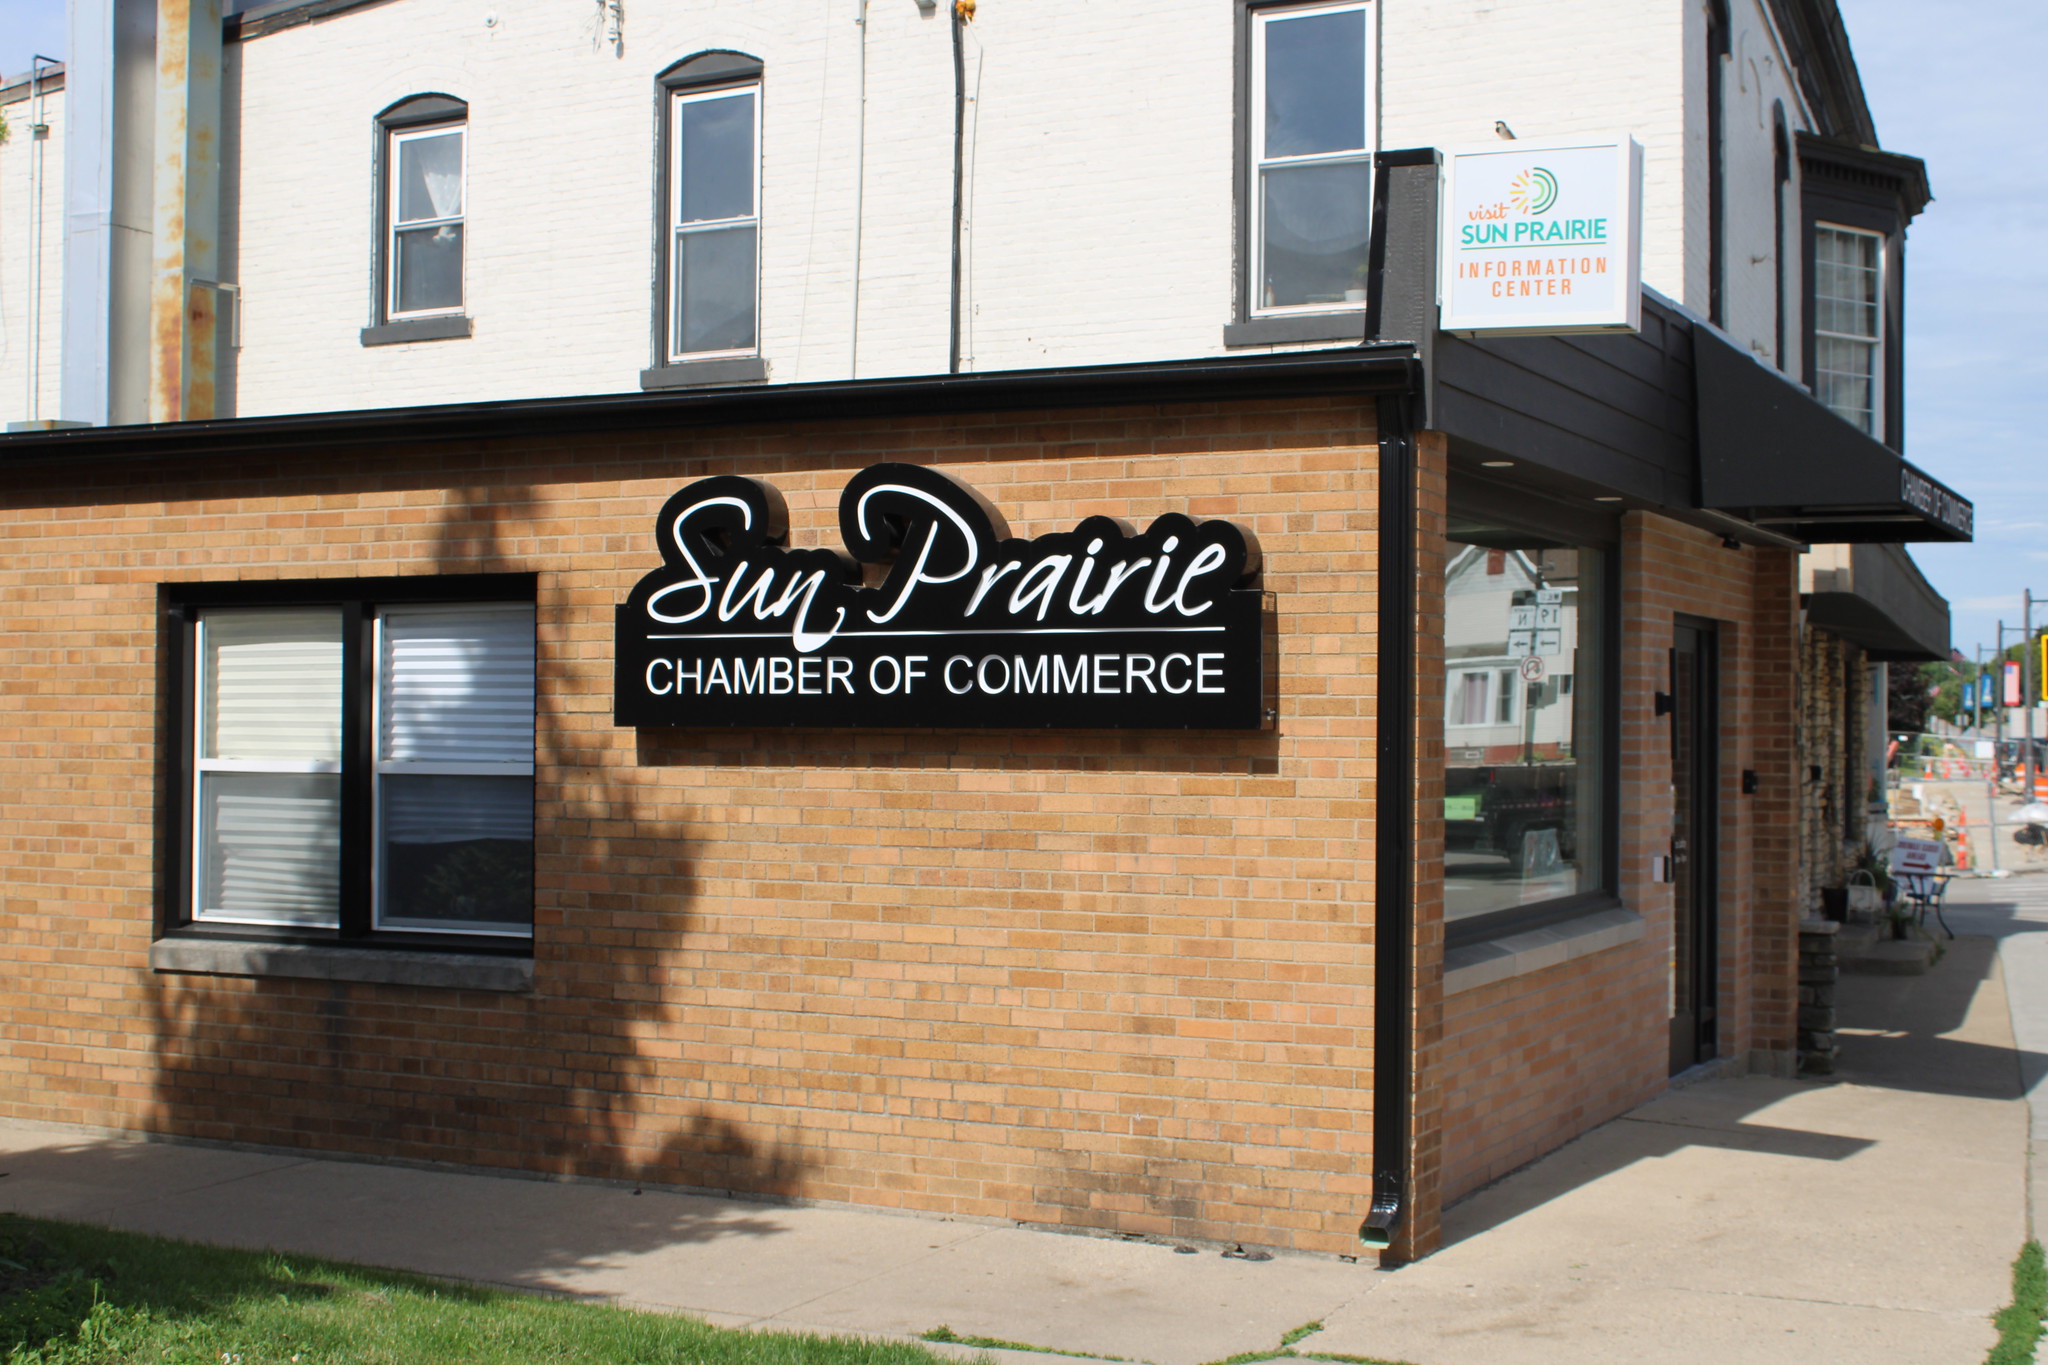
(1309, 161)
(1848, 323)
(709, 302)
(423, 191)
(422, 169)
(1855, 204)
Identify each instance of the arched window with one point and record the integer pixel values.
(707, 298)
(422, 167)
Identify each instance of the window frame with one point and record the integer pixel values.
(412, 116)
(1287, 319)
(360, 601)
(1878, 344)
(1589, 531)
(395, 140)
(705, 75)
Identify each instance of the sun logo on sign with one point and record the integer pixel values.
(1534, 190)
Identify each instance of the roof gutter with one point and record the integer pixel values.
(1392, 368)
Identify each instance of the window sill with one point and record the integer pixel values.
(1501, 959)
(416, 329)
(319, 962)
(746, 369)
(1297, 327)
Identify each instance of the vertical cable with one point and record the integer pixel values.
(959, 180)
(860, 181)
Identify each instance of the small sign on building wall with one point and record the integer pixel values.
(1543, 236)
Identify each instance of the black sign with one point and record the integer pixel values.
(937, 617)
(1934, 502)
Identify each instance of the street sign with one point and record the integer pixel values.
(1532, 668)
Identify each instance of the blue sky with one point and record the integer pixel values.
(26, 28)
(1952, 82)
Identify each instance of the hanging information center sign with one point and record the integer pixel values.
(1543, 236)
(937, 617)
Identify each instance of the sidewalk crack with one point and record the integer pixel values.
(211, 1184)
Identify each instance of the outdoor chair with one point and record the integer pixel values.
(1923, 891)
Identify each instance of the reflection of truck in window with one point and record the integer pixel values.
(1497, 809)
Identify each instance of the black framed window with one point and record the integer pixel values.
(422, 170)
(708, 215)
(1529, 727)
(354, 760)
(1856, 202)
(1310, 134)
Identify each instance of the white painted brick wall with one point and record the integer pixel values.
(1550, 69)
(16, 199)
(1099, 202)
(1757, 76)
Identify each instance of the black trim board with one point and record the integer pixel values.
(1612, 412)
(1359, 371)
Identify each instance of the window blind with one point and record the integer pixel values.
(273, 685)
(456, 685)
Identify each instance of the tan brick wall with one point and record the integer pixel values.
(1114, 981)
(1432, 557)
(1532, 1062)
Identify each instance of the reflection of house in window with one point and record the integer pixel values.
(1502, 607)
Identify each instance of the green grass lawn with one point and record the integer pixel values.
(73, 1295)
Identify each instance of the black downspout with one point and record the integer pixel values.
(1393, 843)
(1717, 248)
(959, 178)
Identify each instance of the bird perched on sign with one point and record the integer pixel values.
(1500, 126)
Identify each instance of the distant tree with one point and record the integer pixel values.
(1949, 688)
(1907, 700)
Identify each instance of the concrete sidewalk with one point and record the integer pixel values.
(1869, 1218)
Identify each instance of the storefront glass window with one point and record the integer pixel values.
(1524, 664)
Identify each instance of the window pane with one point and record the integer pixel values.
(430, 177)
(429, 268)
(271, 685)
(457, 685)
(1316, 221)
(457, 852)
(716, 137)
(715, 290)
(1845, 282)
(270, 847)
(1522, 820)
(1315, 84)
(1470, 707)
(1844, 379)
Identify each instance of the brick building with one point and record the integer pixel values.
(379, 784)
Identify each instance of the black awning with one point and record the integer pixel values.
(1875, 596)
(1771, 454)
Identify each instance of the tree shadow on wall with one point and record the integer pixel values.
(592, 1074)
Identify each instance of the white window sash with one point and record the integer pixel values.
(393, 226)
(1872, 344)
(678, 228)
(390, 767)
(202, 723)
(1260, 163)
